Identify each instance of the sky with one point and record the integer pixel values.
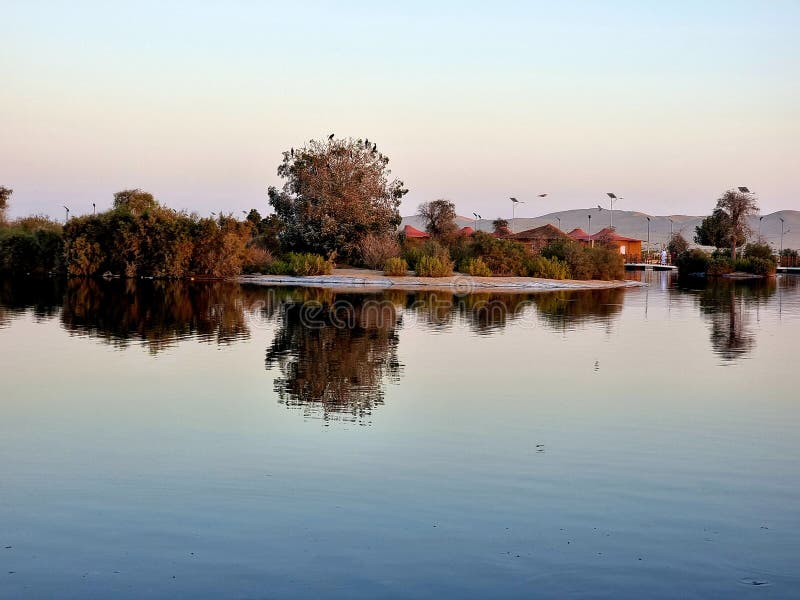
(665, 103)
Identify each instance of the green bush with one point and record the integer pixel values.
(585, 262)
(413, 252)
(721, 265)
(693, 262)
(279, 267)
(756, 250)
(756, 265)
(395, 267)
(547, 268)
(306, 264)
(476, 267)
(31, 245)
(503, 257)
(608, 264)
(433, 266)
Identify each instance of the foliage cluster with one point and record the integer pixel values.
(757, 260)
(395, 267)
(475, 267)
(434, 266)
(31, 245)
(335, 193)
(141, 238)
(585, 262)
(301, 264)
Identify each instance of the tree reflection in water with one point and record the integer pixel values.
(41, 296)
(158, 313)
(730, 306)
(334, 354)
(566, 310)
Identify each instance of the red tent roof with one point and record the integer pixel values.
(610, 234)
(578, 234)
(412, 232)
(466, 230)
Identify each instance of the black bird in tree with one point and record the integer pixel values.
(330, 137)
(366, 142)
(292, 152)
(374, 148)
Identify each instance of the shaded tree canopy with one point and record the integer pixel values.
(134, 201)
(500, 226)
(335, 193)
(714, 230)
(439, 216)
(677, 244)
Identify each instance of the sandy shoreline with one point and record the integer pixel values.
(375, 280)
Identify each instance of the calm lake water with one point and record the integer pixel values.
(216, 440)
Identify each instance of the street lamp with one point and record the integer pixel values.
(612, 196)
(671, 223)
(514, 203)
(559, 222)
(783, 230)
(589, 230)
(67, 219)
(477, 217)
(761, 218)
(94, 208)
(648, 237)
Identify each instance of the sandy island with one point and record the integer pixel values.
(365, 278)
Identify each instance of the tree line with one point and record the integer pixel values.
(338, 203)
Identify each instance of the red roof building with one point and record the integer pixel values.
(578, 234)
(627, 246)
(413, 233)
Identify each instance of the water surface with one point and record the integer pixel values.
(217, 440)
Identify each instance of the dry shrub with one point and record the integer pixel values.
(375, 249)
(257, 260)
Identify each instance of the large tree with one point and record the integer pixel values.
(727, 226)
(336, 192)
(439, 217)
(738, 205)
(5, 194)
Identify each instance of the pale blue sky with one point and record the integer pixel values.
(666, 103)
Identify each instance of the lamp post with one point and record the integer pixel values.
(612, 196)
(94, 208)
(671, 223)
(559, 222)
(782, 232)
(67, 218)
(648, 238)
(514, 203)
(477, 217)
